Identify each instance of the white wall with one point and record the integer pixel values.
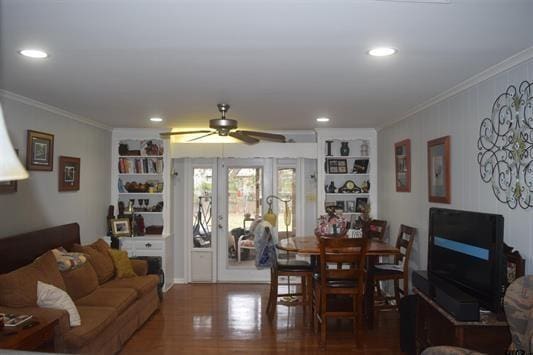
(458, 116)
(38, 204)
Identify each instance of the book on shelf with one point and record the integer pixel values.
(140, 165)
(13, 320)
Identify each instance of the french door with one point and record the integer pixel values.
(242, 186)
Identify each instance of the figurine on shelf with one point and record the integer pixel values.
(331, 187)
(345, 149)
(121, 208)
(110, 216)
(365, 187)
(329, 148)
(364, 148)
(139, 225)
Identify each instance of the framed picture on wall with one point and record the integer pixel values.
(7, 187)
(69, 173)
(439, 170)
(402, 159)
(40, 151)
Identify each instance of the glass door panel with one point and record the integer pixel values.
(286, 191)
(202, 207)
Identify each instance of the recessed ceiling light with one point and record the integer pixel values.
(156, 119)
(382, 51)
(33, 53)
(322, 119)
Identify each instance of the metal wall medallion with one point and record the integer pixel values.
(505, 147)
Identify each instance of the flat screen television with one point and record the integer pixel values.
(466, 250)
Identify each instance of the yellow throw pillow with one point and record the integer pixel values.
(122, 264)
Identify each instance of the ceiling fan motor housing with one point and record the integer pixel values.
(223, 125)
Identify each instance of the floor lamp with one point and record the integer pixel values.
(10, 166)
(271, 217)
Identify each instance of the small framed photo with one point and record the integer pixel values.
(69, 174)
(40, 151)
(7, 187)
(350, 206)
(337, 166)
(402, 158)
(361, 204)
(339, 205)
(120, 227)
(360, 166)
(439, 170)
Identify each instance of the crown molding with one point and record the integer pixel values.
(488, 73)
(41, 105)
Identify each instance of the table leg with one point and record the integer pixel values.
(369, 294)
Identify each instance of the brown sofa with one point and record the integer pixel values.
(111, 309)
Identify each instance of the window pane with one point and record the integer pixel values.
(202, 219)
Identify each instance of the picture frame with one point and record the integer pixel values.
(360, 166)
(40, 151)
(339, 205)
(120, 227)
(402, 160)
(329, 207)
(439, 189)
(8, 187)
(360, 204)
(69, 173)
(350, 206)
(337, 166)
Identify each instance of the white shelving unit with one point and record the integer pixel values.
(139, 171)
(355, 139)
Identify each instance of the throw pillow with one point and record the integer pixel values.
(67, 261)
(19, 287)
(100, 261)
(81, 281)
(122, 264)
(49, 296)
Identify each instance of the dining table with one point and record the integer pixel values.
(309, 245)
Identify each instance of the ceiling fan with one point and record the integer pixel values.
(227, 127)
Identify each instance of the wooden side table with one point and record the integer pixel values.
(39, 336)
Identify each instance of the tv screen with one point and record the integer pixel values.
(466, 249)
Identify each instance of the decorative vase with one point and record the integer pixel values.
(345, 149)
(364, 149)
(329, 148)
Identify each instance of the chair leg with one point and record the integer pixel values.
(355, 309)
(397, 292)
(323, 319)
(273, 296)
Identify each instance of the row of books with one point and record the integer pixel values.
(140, 166)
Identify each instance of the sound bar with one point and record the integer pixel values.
(459, 304)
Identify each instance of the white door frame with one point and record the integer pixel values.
(237, 274)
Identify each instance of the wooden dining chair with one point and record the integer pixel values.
(347, 280)
(288, 268)
(399, 269)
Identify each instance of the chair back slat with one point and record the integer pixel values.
(347, 254)
(404, 242)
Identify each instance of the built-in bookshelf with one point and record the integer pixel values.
(347, 178)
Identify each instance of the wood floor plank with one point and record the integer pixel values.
(231, 319)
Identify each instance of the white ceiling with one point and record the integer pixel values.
(279, 63)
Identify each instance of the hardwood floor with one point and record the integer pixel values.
(230, 318)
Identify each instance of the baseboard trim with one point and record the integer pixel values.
(179, 281)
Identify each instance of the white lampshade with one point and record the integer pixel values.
(10, 166)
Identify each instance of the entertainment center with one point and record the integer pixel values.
(460, 296)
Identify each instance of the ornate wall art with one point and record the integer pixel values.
(505, 147)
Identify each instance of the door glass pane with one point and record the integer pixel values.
(245, 193)
(202, 203)
(286, 191)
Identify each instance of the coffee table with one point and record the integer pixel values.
(39, 336)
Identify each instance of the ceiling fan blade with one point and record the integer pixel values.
(243, 137)
(168, 134)
(205, 135)
(264, 135)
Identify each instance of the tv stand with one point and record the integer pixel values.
(435, 326)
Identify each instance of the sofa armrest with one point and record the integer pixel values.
(139, 266)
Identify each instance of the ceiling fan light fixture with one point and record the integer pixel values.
(382, 51)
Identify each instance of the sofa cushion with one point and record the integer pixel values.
(49, 296)
(142, 284)
(81, 281)
(117, 298)
(19, 287)
(123, 268)
(99, 259)
(94, 320)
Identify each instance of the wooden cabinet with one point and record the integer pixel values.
(435, 326)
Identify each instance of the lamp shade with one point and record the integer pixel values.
(10, 166)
